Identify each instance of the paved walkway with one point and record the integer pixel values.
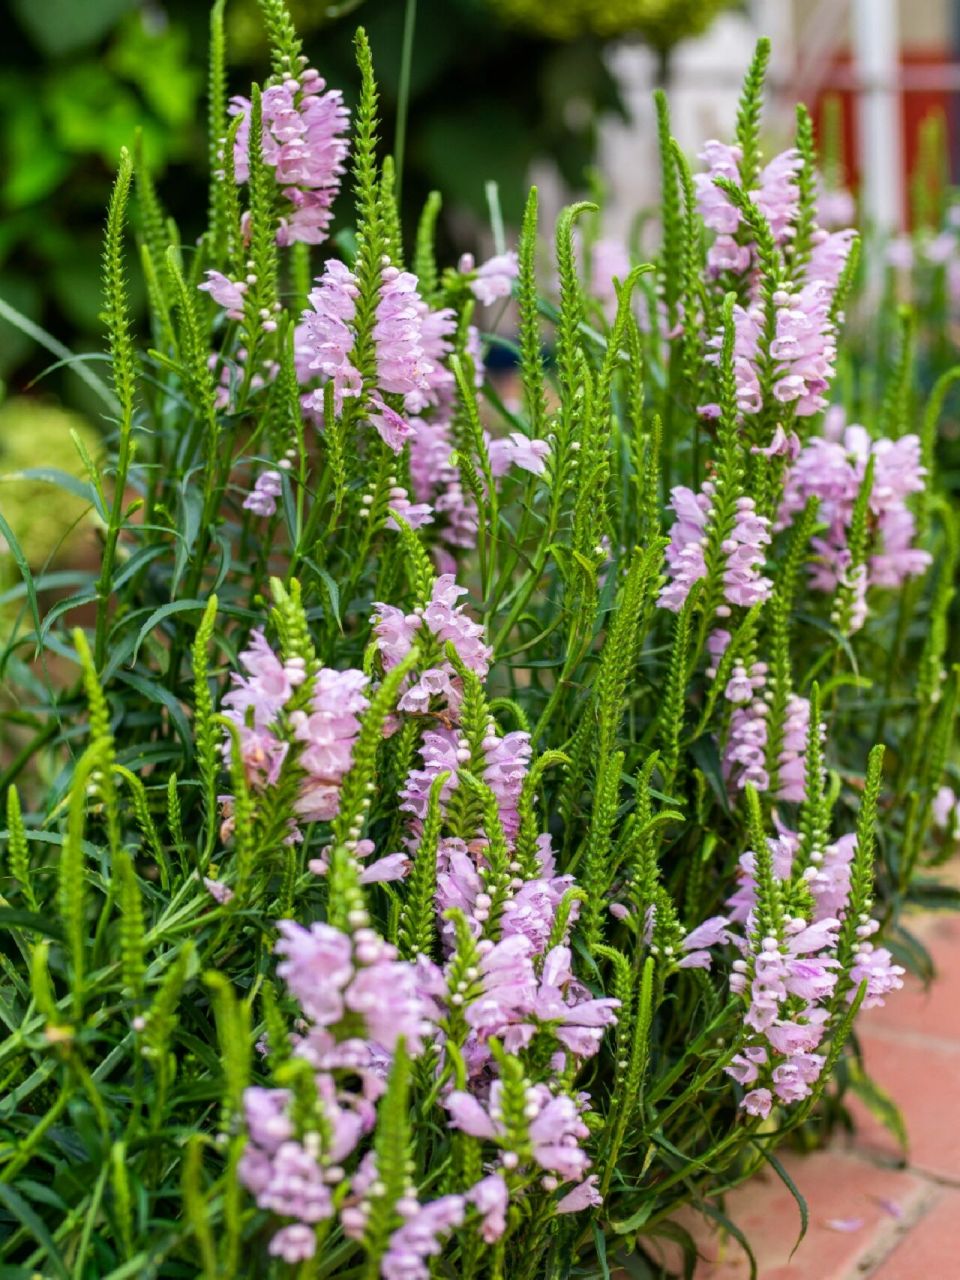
(872, 1214)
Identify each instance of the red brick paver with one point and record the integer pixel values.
(928, 1251)
(851, 1206)
(872, 1215)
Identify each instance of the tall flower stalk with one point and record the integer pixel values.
(475, 838)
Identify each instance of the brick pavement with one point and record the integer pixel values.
(872, 1214)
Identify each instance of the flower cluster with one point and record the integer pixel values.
(787, 973)
(803, 348)
(262, 498)
(304, 142)
(439, 622)
(746, 758)
(325, 343)
(742, 547)
(320, 729)
(831, 468)
(482, 888)
(360, 1001)
(776, 196)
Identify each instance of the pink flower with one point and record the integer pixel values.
(519, 451)
(711, 933)
(583, 1196)
(609, 261)
(265, 689)
(758, 1102)
(778, 195)
(715, 208)
(900, 253)
(742, 581)
(401, 361)
(225, 293)
(317, 964)
(217, 890)
(420, 1238)
(836, 207)
(294, 1243)
(490, 1198)
(262, 499)
(393, 867)
(875, 964)
(392, 428)
(946, 809)
(685, 561)
(467, 1115)
(555, 1134)
(325, 335)
(444, 620)
(416, 515)
(493, 278)
(328, 731)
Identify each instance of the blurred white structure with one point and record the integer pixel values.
(877, 64)
(817, 44)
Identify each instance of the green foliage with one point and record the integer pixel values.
(511, 807)
(749, 112)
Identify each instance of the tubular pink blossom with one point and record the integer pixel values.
(304, 142)
(492, 280)
(225, 293)
(262, 499)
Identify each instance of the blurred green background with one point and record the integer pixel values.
(495, 83)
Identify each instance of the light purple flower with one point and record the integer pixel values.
(420, 1238)
(518, 451)
(392, 428)
(583, 1196)
(402, 365)
(444, 620)
(262, 499)
(493, 279)
(609, 261)
(468, 1115)
(832, 471)
(225, 293)
(304, 142)
(217, 890)
(325, 336)
(875, 965)
(490, 1198)
(293, 1243)
(684, 554)
(946, 810)
(415, 514)
(758, 1102)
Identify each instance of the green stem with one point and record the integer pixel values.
(403, 94)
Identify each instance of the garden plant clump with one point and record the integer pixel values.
(473, 815)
